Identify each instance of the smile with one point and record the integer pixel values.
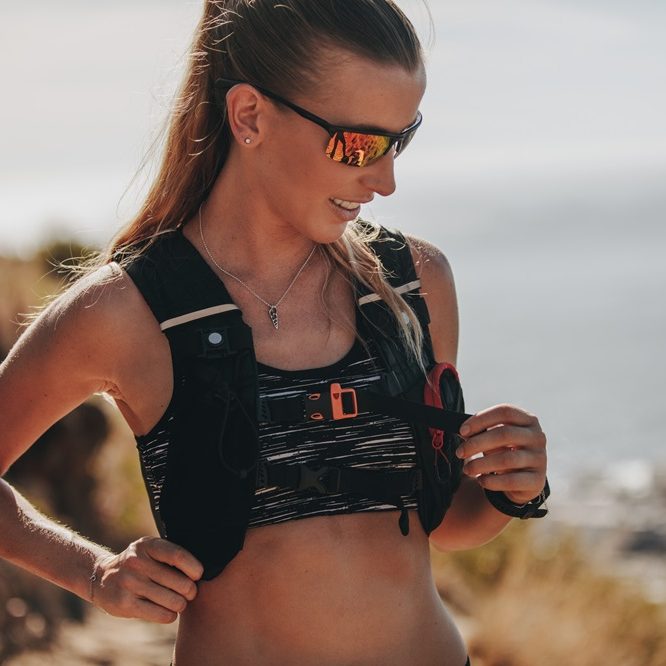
(347, 205)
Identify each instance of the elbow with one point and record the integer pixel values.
(443, 541)
(452, 545)
(437, 542)
(451, 538)
(448, 544)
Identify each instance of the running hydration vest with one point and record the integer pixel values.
(207, 459)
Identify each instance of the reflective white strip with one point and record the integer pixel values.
(410, 286)
(199, 314)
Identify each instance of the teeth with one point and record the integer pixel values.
(348, 205)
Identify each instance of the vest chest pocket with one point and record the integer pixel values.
(211, 461)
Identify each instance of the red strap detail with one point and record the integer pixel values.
(432, 397)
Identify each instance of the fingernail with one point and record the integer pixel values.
(464, 430)
(460, 452)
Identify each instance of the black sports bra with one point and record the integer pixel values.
(371, 441)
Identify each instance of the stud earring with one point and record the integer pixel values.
(248, 140)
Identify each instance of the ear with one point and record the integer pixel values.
(246, 111)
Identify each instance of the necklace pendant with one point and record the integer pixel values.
(272, 313)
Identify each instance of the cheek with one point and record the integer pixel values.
(300, 151)
(302, 172)
(301, 178)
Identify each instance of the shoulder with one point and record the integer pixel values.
(430, 262)
(85, 300)
(84, 342)
(95, 320)
(105, 296)
(438, 289)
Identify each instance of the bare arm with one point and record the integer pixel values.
(43, 547)
(79, 346)
(519, 470)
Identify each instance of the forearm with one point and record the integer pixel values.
(36, 543)
(471, 520)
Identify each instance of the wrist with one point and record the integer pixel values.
(90, 558)
(530, 509)
(93, 581)
(518, 501)
(96, 577)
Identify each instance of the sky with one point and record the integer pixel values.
(539, 169)
(524, 96)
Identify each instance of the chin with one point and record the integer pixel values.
(330, 233)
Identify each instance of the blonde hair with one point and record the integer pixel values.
(244, 39)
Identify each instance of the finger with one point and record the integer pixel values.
(506, 460)
(493, 416)
(503, 436)
(147, 610)
(525, 484)
(161, 596)
(173, 579)
(173, 555)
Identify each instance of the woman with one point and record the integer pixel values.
(249, 240)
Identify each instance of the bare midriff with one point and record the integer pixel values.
(329, 590)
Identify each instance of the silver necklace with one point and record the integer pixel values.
(272, 307)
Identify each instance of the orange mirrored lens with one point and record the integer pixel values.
(357, 149)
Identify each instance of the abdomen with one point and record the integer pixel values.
(338, 590)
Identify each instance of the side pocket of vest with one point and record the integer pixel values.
(452, 399)
(212, 459)
(442, 469)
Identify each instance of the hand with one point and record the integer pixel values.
(514, 452)
(152, 579)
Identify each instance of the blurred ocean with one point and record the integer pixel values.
(539, 170)
(562, 311)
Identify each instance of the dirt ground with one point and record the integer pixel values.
(105, 641)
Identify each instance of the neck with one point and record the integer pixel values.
(244, 237)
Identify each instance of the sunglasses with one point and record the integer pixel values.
(348, 145)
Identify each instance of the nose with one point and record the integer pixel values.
(380, 175)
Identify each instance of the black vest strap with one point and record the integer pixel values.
(175, 280)
(329, 479)
(413, 411)
(383, 485)
(378, 323)
(318, 405)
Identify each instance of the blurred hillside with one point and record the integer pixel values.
(537, 594)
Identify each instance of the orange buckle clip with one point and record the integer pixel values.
(336, 402)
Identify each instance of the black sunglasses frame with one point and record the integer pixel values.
(399, 140)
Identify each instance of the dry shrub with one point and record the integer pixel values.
(21, 287)
(537, 599)
(26, 285)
